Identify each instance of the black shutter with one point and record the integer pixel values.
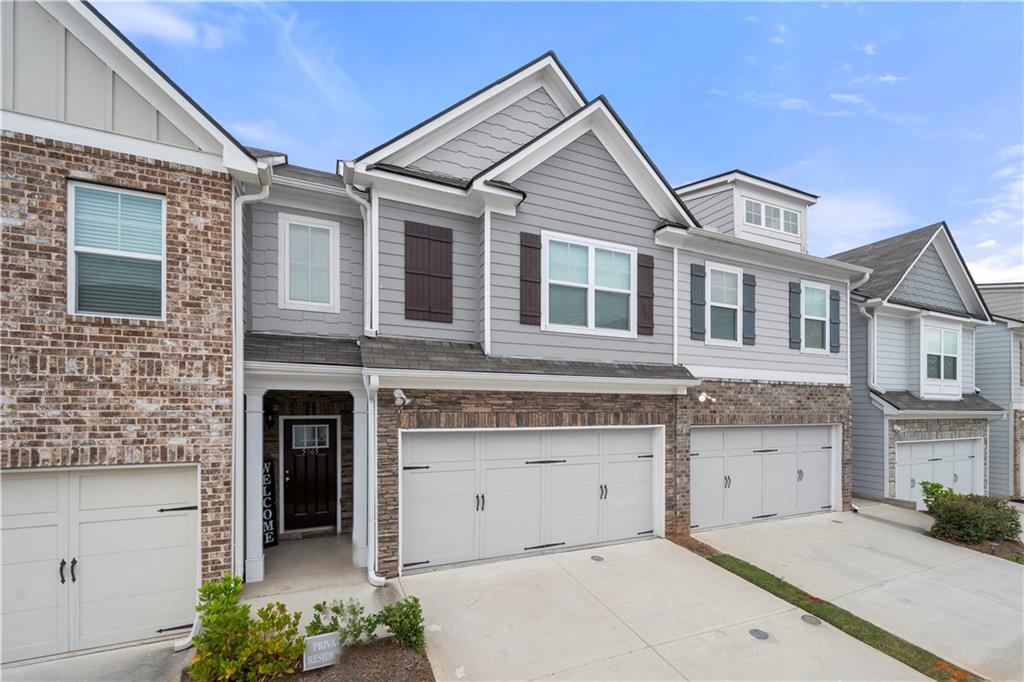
(428, 272)
(697, 302)
(529, 278)
(749, 310)
(795, 333)
(833, 321)
(645, 295)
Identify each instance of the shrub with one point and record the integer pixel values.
(345, 618)
(973, 519)
(404, 620)
(233, 646)
(935, 494)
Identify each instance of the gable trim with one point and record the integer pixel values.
(545, 69)
(597, 117)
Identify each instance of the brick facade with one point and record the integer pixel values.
(738, 403)
(903, 430)
(88, 390)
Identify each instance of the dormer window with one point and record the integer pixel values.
(771, 217)
(940, 359)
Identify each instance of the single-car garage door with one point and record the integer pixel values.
(742, 474)
(96, 557)
(473, 495)
(955, 464)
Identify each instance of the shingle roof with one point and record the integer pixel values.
(309, 174)
(970, 402)
(889, 258)
(304, 350)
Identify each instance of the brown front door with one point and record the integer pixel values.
(310, 473)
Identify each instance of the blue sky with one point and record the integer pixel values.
(898, 115)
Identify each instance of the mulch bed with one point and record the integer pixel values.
(379, 661)
(1005, 549)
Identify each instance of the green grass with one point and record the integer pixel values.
(911, 655)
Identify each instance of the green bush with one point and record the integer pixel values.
(935, 494)
(345, 618)
(404, 620)
(973, 519)
(233, 646)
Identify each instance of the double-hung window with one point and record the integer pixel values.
(116, 255)
(308, 264)
(775, 218)
(940, 371)
(814, 299)
(723, 304)
(589, 286)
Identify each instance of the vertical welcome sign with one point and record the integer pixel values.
(269, 510)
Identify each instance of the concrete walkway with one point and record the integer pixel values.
(959, 604)
(648, 610)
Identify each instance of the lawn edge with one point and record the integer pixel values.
(907, 653)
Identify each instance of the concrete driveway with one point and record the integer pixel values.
(650, 610)
(957, 603)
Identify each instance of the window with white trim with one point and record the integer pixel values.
(814, 302)
(588, 286)
(724, 321)
(116, 254)
(308, 264)
(771, 217)
(941, 365)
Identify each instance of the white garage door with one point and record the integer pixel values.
(953, 463)
(742, 474)
(94, 558)
(472, 495)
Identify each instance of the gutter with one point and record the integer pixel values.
(369, 246)
(871, 348)
(372, 383)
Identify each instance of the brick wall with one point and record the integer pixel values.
(902, 430)
(738, 403)
(85, 390)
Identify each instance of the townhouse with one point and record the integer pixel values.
(918, 411)
(1000, 360)
(501, 332)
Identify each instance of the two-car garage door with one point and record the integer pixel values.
(478, 494)
(741, 474)
(96, 557)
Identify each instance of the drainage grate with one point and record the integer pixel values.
(808, 618)
(758, 634)
(596, 557)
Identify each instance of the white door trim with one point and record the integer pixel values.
(280, 467)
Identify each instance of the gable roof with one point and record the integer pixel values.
(738, 173)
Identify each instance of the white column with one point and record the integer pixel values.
(254, 484)
(359, 457)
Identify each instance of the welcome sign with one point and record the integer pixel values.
(321, 651)
(268, 512)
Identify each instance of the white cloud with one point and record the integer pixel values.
(780, 28)
(849, 98)
(1007, 266)
(843, 220)
(778, 40)
(868, 49)
(166, 23)
(1004, 172)
(1014, 151)
(262, 133)
(883, 79)
(987, 244)
(794, 103)
(751, 19)
(718, 92)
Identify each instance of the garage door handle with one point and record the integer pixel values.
(426, 466)
(63, 563)
(74, 562)
(170, 509)
(546, 461)
(768, 450)
(799, 475)
(483, 502)
(913, 482)
(956, 478)
(478, 501)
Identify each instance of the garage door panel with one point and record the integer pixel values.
(154, 487)
(134, 534)
(435, 447)
(574, 444)
(36, 632)
(745, 492)
(574, 502)
(781, 437)
(963, 476)
(511, 517)
(110, 621)
(810, 436)
(510, 445)
(439, 515)
(129, 574)
(780, 481)
(814, 491)
(707, 491)
(707, 440)
(744, 439)
(27, 494)
(627, 442)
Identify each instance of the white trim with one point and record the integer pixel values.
(675, 306)
(740, 176)
(336, 418)
(591, 287)
(742, 374)
(938, 389)
(374, 283)
(487, 281)
(72, 249)
(731, 270)
(495, 381)
(764, 217)
(804, 286)
(284, 299)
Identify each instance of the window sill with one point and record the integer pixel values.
(723, 342)
(102, 318)
(565, 329)
(333, 309)
(815, 351)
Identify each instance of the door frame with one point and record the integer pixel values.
(280, 468)
(979, 461)
(657, 478)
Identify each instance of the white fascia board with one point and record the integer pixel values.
(496, 381)
(717, 244)
(711, 372)
(417, 142)
(595, 118)
(906, 311)
(730, 178)
(291, 376)
(409, 190)
(153, 85)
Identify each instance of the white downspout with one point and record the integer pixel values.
(372, 383)
(369, 238)
(871, 349)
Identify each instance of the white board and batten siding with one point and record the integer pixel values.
(130, 571)
(468, 495)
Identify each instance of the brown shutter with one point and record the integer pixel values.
(645, 295)
(529, 278)
(428, 272)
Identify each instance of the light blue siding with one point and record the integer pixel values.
(967, 355)
(868, 423)
(928, 285)
(1008, 301)
(891, 355)
(994, 355)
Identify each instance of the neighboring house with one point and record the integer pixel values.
(116, 339)
(917, 412)
(1000, 360)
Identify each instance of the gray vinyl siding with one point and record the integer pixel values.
(465, 324)
(714, 211)
(263, 255)
(994, 354)
(928, 285)
(578, 191)
(1008, 303)
(967, 356)
(1017, 371)
(891, 355)
(494, 138)
(914, 357)
(868, 423)
(771, 350)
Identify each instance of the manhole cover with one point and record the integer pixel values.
(808, 618)
(758, 634)
(596, 557)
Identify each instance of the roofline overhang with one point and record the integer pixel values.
(916, 311)
(694, 239)
(893, 412)
(732, 176)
